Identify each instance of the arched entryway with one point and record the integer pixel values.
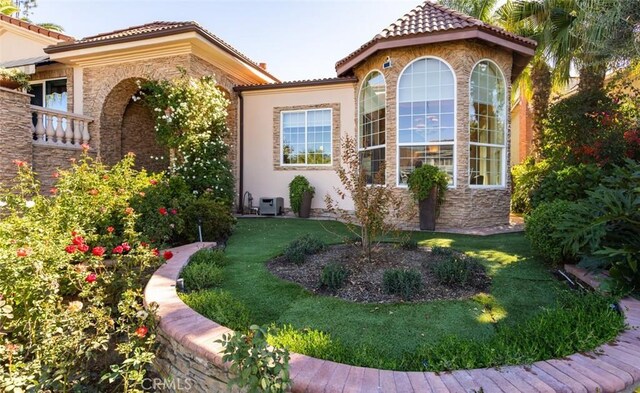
(128, 126)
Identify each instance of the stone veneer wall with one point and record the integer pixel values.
(464, 206)
(49, 159)
(138, 136)
(15, 131)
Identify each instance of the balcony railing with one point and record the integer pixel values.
(58, 128)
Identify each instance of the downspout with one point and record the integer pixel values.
(241, 153)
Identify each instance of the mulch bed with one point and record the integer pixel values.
(364, 283)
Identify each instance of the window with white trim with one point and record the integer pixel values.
(487, 126)
(372, 126)
(426, 117)
(51, 94)
(306, 137)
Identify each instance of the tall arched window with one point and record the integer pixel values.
(372, 126)
(426, 117)
(487, 126)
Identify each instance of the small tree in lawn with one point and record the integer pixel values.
(374, 204)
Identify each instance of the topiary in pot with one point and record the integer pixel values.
(428, 185)
(300, 194)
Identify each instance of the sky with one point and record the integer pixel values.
(298, 39)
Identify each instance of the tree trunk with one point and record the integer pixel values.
(541, 82)
(592, 77)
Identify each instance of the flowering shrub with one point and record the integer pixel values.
(190, 116)
(72, 268)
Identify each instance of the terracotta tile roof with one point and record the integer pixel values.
(150, 30)
(297, 83)
(35, 28)
(430, 17)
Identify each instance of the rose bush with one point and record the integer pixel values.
(72, 269)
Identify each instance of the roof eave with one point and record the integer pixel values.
(345, 68)
(287, 85)
(64, 47)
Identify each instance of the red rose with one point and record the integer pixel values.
(98, 251)
(91, 277)
(126, 247)
(128, 210)
(162, 211)
(153, 182)
(19, 163)
(105, 177)
(77, 240)
(23, 252)
(155, 252)
(174, 211)
(142, 331)
(93, 192)
(117, 250)
(144, 244)
(110, 229)
(53, 190)
(55, 175)
(83, 247)
(167, 255)
(70, 248)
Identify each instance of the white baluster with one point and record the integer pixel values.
(85, 133)
(68, 132)
(77, 132)
(39, 128)
(59, 130)
(49, 128)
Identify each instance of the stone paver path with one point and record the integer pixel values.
(613, 367)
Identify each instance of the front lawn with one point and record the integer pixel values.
(385, 335)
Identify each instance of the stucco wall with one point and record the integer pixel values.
(15, 46)
(464, 206)
(263, 176)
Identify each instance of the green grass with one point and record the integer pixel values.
(521, 289)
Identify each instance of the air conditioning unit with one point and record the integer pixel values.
(271, 206)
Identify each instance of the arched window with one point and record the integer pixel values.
(487, 126)
(372, 126)
(426, 117)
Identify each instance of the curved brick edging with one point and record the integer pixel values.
(190, 357)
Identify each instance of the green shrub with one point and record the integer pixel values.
(217, 220)
(406, 283)
(526, 179)
(219, 306)
(202, 273)
(455, 271)
(296, 251)
(409, 244)
(605, 228)
(569, 184)
(545, 237)
(579, 323)
(446, 251)
(297, 187)
(333, 276)
(255, 365)
(211, 256)
(426, 177)
(161, 206)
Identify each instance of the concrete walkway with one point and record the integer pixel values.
(613, 367)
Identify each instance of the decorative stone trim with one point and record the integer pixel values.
(335, 137)
(191, 360)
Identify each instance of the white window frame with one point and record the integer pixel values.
(43, 82)
(503, 155)
(455, 123)
(306, 124)
(386, 134)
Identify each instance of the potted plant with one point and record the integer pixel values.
(13, 78)
(428, 185)
(300, 195)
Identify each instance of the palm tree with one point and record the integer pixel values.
(7, 7)
(15, 8)
(483, 10)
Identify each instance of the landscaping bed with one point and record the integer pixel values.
(364, 280)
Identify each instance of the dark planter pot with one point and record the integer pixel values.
(305, 205)
(9, 84)
(427, 209)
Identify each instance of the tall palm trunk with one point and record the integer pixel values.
(541, 89)
(592, 77)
